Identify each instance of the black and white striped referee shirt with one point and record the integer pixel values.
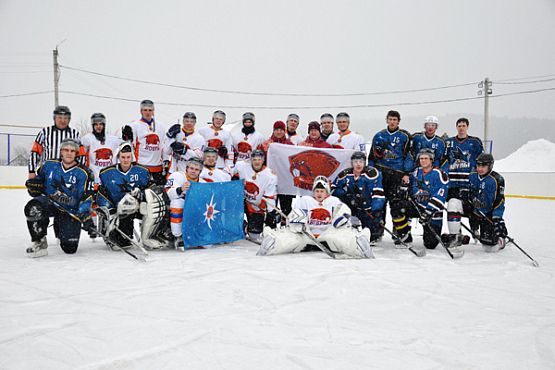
(47, 145)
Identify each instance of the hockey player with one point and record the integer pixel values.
(429, 139)
(260, 194)
(183, 142)
(461, 152)
(487, 199)
(326, 121)
(62, 189)
(125, 186)
(147, 137)
(390, 153)
(360, 187)
(425, 200)
(100, 148)
(314, 139)
(47, 143)
(248, 139)
(177, 186)
(216, 137)
(322, 217)
(345, 138)
(278, 136)
(209, 172)
(292, 124)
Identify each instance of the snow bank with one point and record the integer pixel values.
(534, 156)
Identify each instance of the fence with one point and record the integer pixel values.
(15, 148)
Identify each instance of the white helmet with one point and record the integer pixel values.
(431, 119)
(321, 182)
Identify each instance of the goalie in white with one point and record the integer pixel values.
(323, 217)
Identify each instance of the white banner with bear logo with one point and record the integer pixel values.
(297, 166)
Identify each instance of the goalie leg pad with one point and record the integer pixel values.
(153, 213)
(37, 215)
(348, 242)
(281, 241)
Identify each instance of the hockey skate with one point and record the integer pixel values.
(179, 244)
(39, 248)
(406, 239)
(267, 243)
(364, 245)
(455, 245)
(494, 248)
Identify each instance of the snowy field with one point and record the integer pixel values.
(226, 308)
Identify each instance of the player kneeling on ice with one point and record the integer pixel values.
(322, 220)
(176, 187)
(124, 196)
(260, 194)
(424, 198)
(360, 187)
(487, 200)
(62, 189)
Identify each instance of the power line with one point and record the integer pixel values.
(265, 93)
(523, 92)
(524, 82)
(523, 78)
(27, 94)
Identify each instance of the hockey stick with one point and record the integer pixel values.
(438, 238)
(76, 218)
(511, 240)
(395, 237)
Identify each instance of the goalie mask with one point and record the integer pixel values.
(321, 182)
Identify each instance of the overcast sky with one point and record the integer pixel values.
(337, 47)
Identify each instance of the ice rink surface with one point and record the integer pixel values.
(226, 308)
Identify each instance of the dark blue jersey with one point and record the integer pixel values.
(116, 183)
(429, 190)
(368, 185)
(487, 194)
(71, 188)
(391, 150)
(461, 156)
(436, 143)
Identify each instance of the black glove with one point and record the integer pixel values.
(35, 187)
(178, 148)
(355, 200)
(222, 152)
(165, 167)
(426, 216)
(499, 228)
(173, 131)
(272, 219)
(376, 215)
(403, 191)
(127, 133)
(60, 197)
(464, 194)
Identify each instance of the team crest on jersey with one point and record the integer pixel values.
(244, 149)
(103, 157)
(305, 166)
(320, 216)
(152, 142)
(251, 190)
(215, 143)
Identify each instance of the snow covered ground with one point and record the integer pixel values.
(534, 156)
(226, 308)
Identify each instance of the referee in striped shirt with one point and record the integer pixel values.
(47, 142)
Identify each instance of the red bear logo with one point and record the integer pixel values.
(215, 143)
(104, 154)
(320, 214)
(305, 166)
(152, 139)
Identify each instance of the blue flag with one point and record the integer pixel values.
(213, 213)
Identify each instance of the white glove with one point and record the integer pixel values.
(297, 220)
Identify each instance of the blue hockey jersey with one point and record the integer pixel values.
(74, 183)
(461, 156)
(487, 194)
(429, 190)
(436, 143)
(391, 150)
(368, 184)
(116, 183)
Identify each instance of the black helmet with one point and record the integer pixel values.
(257, 153)
(98, 118)
(190, 115)
(485, 159)
(62, 110)
(358, 156)
(210, 150)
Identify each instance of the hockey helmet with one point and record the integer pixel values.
(321, 182)
(485, 159)
(126, 147)
(257, 153)
(195, 161)
(357, 156)
(190, 115)
(431, 119)
(248, 116)
(70, 142)
(98, 118)
(426, 152)
(210, 150)
(62, 110)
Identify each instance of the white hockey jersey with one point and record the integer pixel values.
(148, 141)
(347, 140)
(295, 139)
(177, 199)
(215, 139)
(193, 142)
(260, 187)
(245, 144)
(99, 154)
(214, 175)
(320, 214)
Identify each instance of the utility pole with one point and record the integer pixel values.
(486, 90)
(56, 75)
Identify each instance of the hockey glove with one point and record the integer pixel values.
(272, 219)
(127, 133)
(297, 220)
(403, 191)
(60, 197)
(138, 194)
(178, 148)
(426, 216)
(464, 195)
(165, 167)
(499, 228)
(222, 152)
(35, 187)
(173, 131)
